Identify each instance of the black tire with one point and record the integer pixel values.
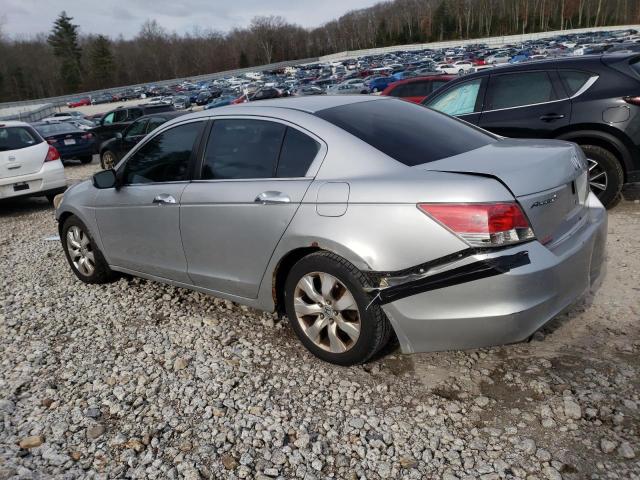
(101, 272)
(607, 163)
(108, 159)
(86, 159)
(375, 329)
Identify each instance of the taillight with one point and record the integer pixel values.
(87, 136)
(482, 224)
(51, 141)
(634, 100)
(52, 154)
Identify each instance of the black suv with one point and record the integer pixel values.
(117, 147)
(117, 120)
(593, 101)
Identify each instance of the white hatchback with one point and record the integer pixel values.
(29, 166)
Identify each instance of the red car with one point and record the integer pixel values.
(416, 89)
(79, 102)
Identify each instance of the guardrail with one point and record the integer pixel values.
(63, 99)
(491, 41)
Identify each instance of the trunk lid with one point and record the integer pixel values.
(21, 151)
(547, 177)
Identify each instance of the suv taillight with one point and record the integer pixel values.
(634, 100)
(482, 224)
(52, 154)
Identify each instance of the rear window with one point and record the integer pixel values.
(56, 129)
(15, 138)
(409, 133)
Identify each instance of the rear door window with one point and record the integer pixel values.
(519, 89)
(15, 138)
(573, 80)
(120, 116)
(242, 149)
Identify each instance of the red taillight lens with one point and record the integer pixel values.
(52, 154)
(51, 141)
(635, 100)
(87, 136)
(482, 224)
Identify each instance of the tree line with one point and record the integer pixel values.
(66, 60)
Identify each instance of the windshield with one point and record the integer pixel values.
(15, 138)
(408, 133)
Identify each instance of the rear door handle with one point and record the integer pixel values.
(552, 116)
(269, 197)
(164, 198)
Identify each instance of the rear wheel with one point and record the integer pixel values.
(83, 255)
(330, 311)
(605, 174)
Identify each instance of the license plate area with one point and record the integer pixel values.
(69, 141)
(17, 187)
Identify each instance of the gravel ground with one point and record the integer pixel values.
(141, 380)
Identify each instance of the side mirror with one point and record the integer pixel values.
(104, 179)
(119, 135)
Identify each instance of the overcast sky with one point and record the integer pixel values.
(115, 17)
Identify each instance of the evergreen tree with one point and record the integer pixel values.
(64, 40)
(101, 63)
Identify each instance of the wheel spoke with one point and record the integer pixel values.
(313, 332)
(84, 239)
(346, 302)
(303, 309)
(335, 344)
(306, 284)
(597, 175)
(327, 282)
(351, 329)
(71, 239)
(599, 186)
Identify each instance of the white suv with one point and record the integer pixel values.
(29, 166)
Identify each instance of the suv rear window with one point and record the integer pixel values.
(408, 133)
(15, 138)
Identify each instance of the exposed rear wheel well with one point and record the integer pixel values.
(282, 271)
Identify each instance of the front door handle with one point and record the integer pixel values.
(270, 197)
(551, 117)
(164, 198)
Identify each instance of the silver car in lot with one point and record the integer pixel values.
(362, 218)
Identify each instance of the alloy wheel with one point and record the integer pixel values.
(80, 251)
(109, 160)
(327, 312)
(598, 179)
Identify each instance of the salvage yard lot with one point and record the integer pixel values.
(141, 380)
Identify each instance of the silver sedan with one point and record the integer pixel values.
(363, 219)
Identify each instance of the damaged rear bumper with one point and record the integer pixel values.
(478, 299)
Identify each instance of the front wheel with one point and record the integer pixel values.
(605, 174)
(83, 255)
(331, 313)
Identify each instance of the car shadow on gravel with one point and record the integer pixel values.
(20, 206)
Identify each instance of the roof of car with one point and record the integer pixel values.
(13, 123)
(312, 103)
(422, 78)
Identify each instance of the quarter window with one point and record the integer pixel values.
(460, 100)
(241, 148)
(573, 80)
(164, 158)
(298, 152)
(137, 128)
(519, 89)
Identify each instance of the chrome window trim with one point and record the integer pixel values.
(587, 85)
